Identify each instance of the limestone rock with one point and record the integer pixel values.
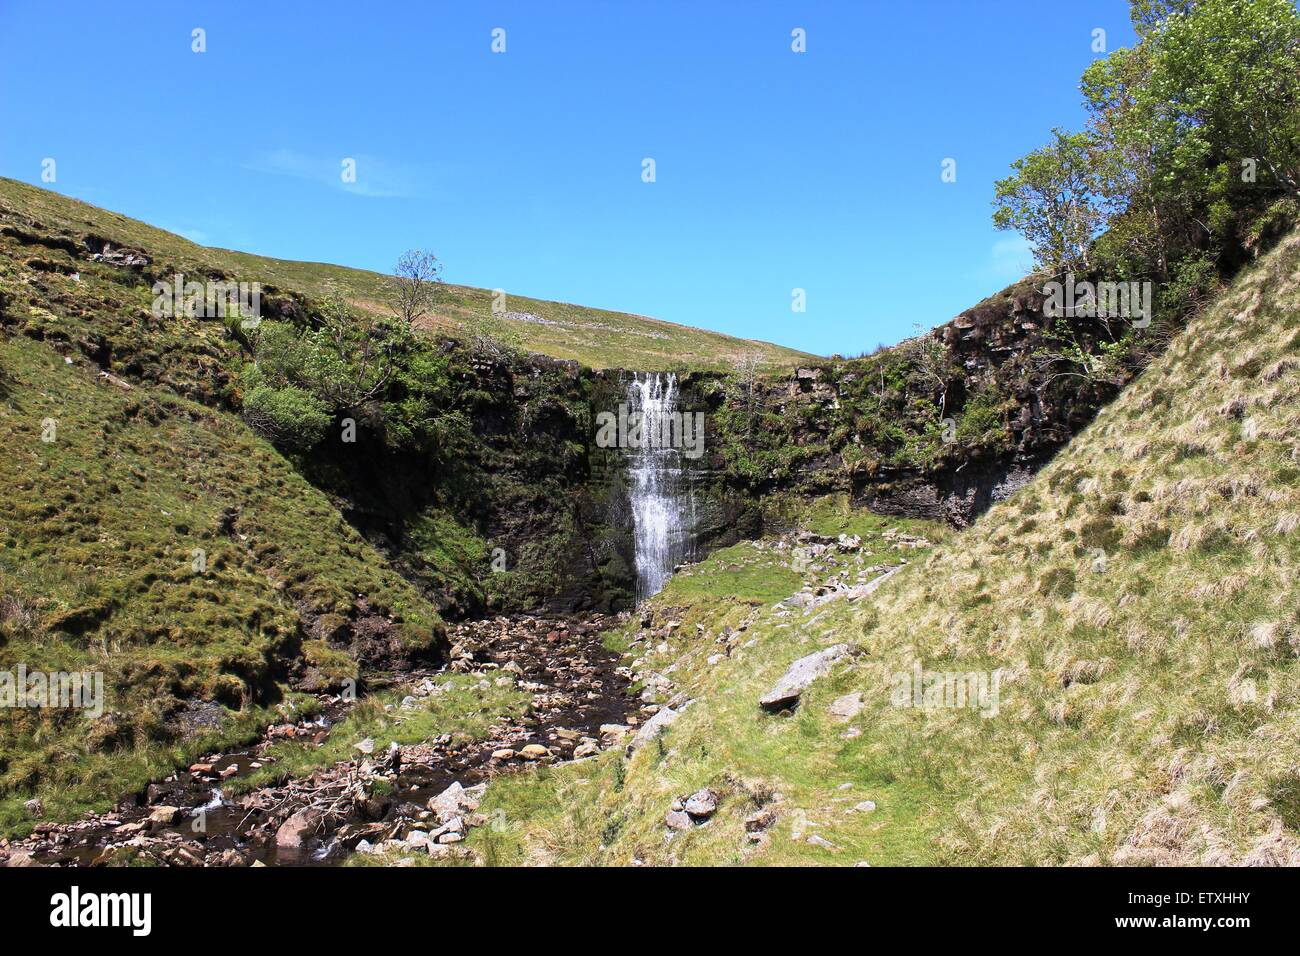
(786, 692)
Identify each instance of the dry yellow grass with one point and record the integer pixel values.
(1148, 610)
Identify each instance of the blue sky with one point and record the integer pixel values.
(523, 170)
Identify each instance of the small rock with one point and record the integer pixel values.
(677, 820)
(34, 808)
(503, 754)
(702, 804)
(164, 816)
(450, 802)
(760, 820)
(866, 806)
(847, 707)
(534, 752)
(366, 746)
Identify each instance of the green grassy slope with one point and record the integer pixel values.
(162, 543)
(593, 337)
(1138, 599)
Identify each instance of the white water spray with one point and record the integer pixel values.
(663, 507)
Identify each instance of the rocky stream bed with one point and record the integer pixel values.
(418, 798)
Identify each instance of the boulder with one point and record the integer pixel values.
(534, 752)
(164, 816)
(785, 693)
(295, 831)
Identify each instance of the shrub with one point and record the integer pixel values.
(290, 416)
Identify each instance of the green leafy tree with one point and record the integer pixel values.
(1228, 74)
(1054, 199)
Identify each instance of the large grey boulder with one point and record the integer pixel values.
(785, 692)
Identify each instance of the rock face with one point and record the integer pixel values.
(785, 693)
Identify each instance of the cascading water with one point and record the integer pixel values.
(663, 509)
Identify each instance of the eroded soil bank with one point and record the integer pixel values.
(570, 684)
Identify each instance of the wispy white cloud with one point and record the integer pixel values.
(1009, 259)
(374, 177)
(193, 235)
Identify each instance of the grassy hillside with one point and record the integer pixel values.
(1138, 600)
(594, 337)
(164, 544)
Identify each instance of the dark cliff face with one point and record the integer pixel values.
(528, 515)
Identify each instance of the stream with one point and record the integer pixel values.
(577, 688)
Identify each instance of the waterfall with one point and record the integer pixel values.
(663, 507)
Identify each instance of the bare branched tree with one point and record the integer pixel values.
(418, 274)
